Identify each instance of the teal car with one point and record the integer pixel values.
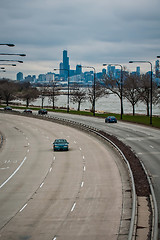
(60, 145)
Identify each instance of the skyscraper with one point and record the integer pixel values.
(78, 69)
(157, 68)
(65, 63)
(138, 71)
(20, 76)
(61, 72)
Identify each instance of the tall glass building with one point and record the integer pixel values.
(20, 76)
(65, 63)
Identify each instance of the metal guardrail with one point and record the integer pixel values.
(155, 215)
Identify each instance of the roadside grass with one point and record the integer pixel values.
(140, 119)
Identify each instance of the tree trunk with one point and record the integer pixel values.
(27, 103)
(148, 108)
(79, 103)
(42, 101)
(53, 107)
(133, 106)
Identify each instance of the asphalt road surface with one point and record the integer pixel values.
(56, 195)
(145, 141)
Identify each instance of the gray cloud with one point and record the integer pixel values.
(90, 30)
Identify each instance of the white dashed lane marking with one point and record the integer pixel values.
(73, 207)
(23, 207)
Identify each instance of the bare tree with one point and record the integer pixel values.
(53, 93)
(78, 95)
(131, 90)
(28, 93)
(115, 86)
(8, 90)
(43, 92)
(99, 92)
(145, 88)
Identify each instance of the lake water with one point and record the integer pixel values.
(105, 104)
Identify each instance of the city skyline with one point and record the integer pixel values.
(64, 71)
(94, 32)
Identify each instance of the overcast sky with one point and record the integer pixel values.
(93, 31)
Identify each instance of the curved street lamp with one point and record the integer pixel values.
(94, 86)
(11, 61)
(14, 54)
(55, 69)
(7, 44)
(121, 90)
(151, 86)
(5, 64)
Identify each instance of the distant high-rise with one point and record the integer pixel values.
(78, 69)
(66, 66)
(111, 70)
(20, 76)
(61, 72)
(157, 68)
(138, 70)
(104, 71)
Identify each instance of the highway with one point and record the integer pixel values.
(145, 142)
(57, 195)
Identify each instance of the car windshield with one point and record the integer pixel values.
(60, 141)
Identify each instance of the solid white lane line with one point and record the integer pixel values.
(73, 207)
(13, 173)
(23, 207)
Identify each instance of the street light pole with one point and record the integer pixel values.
(94, 87)
(150, 87)
(121, 90)
(68, 87)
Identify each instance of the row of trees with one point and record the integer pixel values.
(10, 90)
(135, 88)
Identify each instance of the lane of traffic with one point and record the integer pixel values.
(68, 188)
(142, 139)
(19, 188)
